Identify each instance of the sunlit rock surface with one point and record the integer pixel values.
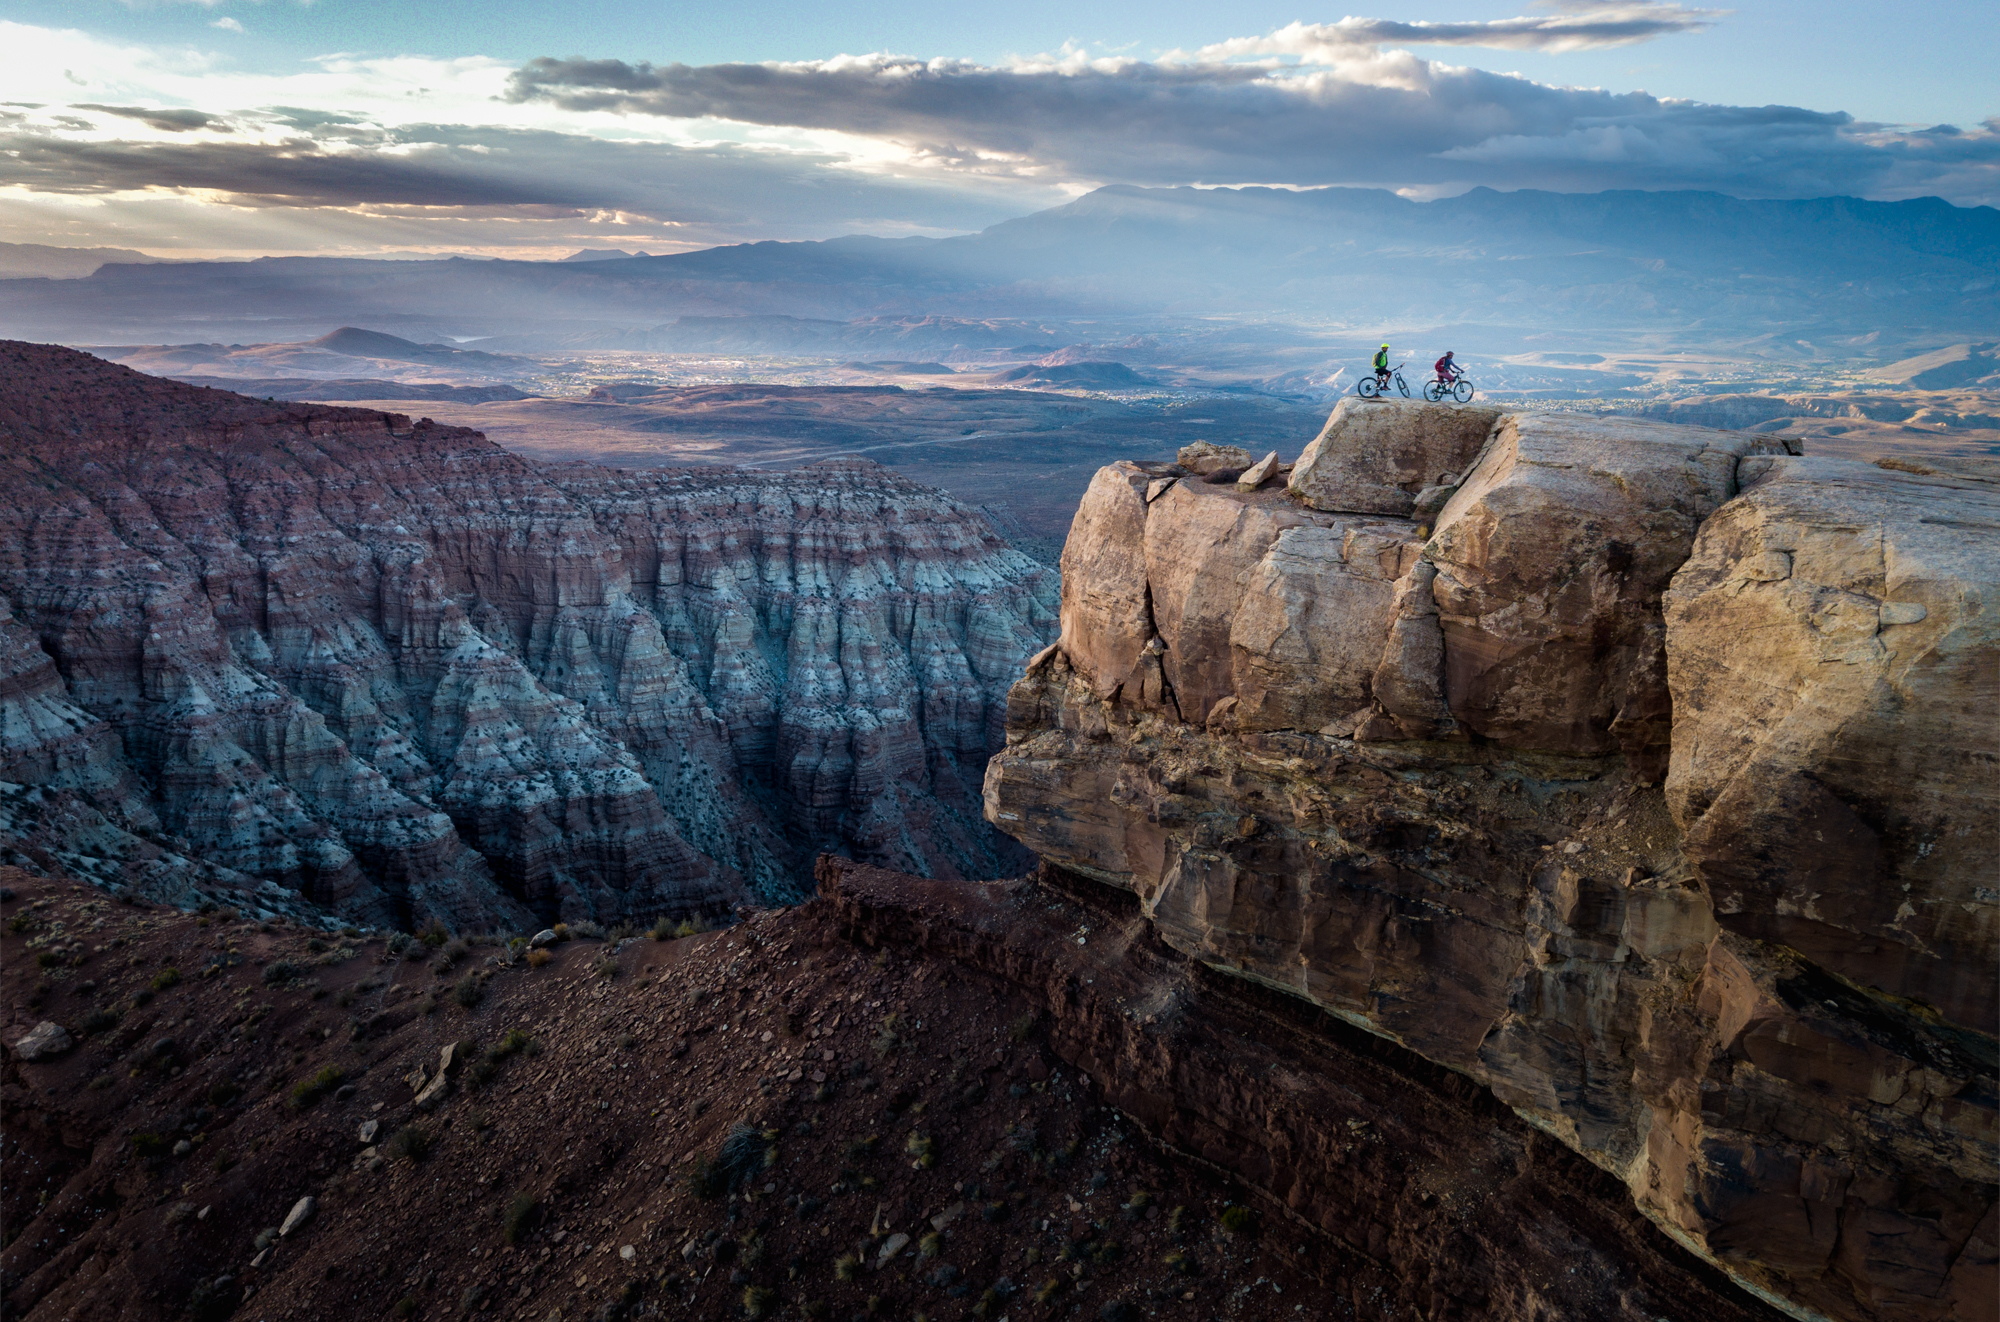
(1761, 993)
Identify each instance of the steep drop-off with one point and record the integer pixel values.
(1639, 773)
(411, 676)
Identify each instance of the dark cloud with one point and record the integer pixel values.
(1408, 123)
(167, 121)
(529, 172)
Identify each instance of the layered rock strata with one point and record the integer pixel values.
(1761, 993)
(409, 675)
(1428, 1190)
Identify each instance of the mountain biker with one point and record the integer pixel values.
(1447, 371)
(1382, 365)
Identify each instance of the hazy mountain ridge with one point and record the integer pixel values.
(1700, 265)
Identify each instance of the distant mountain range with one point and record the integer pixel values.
(345, 353)
(1849, 277)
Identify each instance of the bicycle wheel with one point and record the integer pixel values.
(1402, 385)
(1462, 392)
(1433, 391)
(1367, 387)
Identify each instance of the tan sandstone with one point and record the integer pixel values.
(1375, 456)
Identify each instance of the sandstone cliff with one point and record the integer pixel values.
(409, 675)
(1414, 774)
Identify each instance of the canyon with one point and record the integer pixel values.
(1642, 773)
(307, 658)
(1537, 864)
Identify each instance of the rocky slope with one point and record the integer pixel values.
(987, 1100)
(1644, 774)
(409, 675)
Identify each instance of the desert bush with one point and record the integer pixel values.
(406, 1307)
(846, 1267)
(606, 967)
(453, 951)
(520, 1217)
(308, 1091)
(1177, 1220)
(538, 957)
(758, 1301)
(861, 1147)
(923, 1147)
(690, 926)
(97, 1019)
(468, 989)
(662, 930)
(1019, 1030)
(585, 930)
(166, 978)
(1049, 1289)
(410, 1143)
(279, 972)
(1179, 1263)
(622, 932)
(561, 930)
(149, 1144)
(223, 1092)
(930, 1246)
(434, 934)
(1239, 1220)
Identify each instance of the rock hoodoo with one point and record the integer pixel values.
(250, 649)
(1653, 787)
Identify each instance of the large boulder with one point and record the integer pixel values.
(1551, 557)
(1376, 456)
(1833, 646)
(1106, 619)
(45, 1041)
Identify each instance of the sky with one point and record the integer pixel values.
(236, 128)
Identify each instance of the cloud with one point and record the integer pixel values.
(717, 193)
(166, 121)
(227, 24)
(1378, 117)
(1581, 27)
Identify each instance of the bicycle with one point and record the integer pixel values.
(1459, 388)
(1368, 387)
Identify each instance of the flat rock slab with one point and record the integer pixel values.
(1374, 457)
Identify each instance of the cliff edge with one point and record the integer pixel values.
(1643, 773)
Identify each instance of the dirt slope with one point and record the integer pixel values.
(1000, 1062)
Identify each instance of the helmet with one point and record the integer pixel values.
(1447, 353)
(1385, 344)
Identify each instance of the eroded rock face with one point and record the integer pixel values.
(1834, 649)
(1761, 995)
(1551, 559)
(1377, 456)
(409, 675)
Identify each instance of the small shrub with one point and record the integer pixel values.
(308, 1091)
(862, 1147)
(930, 1246)
(165, 979)
(690, 927)
(406, 1307)
(622, 932)
(846, 1267)
(224, 1092)
(758, 1301)
(561, 930)
(279, 972)
(989, 1304)
(434, 935)
(520, 1217)
(140, 997)
(661, 931)
(1180, 1263)
(410, 1143)
(1106, 1251)
(606, 967)
(586, 930)
(1049, 1289)
(98, 1020)
(1018, 1030)
(454, 951)
(923, 1147)
(1239, 1220)
(538, 957)
(149, 1144)
(468, 989)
